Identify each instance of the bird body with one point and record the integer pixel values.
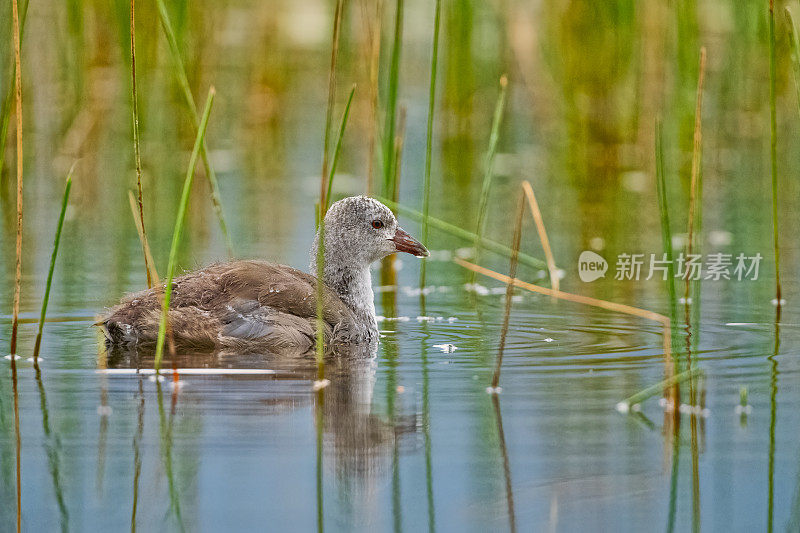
(256, 305)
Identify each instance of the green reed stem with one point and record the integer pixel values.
(512, 273)
(179, 220)
(53, 256)
(180, 73)
(488, 244)
(773, 127)
(8, 101)
(136, 151)
(795, 51)
(660, 387)
(337, 151)
(426, 179)
(666, 232)
(663, 205)
(489, 164)
(326, 177)
(391, 104)
(320, 336)
(17, 84)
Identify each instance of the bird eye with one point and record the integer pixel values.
(377, 224)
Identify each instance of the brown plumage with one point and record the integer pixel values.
(237, 304)
(260, 306)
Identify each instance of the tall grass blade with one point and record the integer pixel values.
(663, 207)
(488, 174)
(183, 81)
(512, 274)
(320, 334)
(136, 151)
(795, 51)
(56, 242)
(461, 233)
(143, 239)
(179, 221)
(391, 103)
(536, 213)
(337, 151)
(666, 241)
(18, 267)
(324, 186)
(18, 262)
(773, 128)
(8, 100)
(426, 178)
(373, 24)
(695, 191)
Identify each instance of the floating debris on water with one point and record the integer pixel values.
(426, 319)
(440, 255)
(446, 348)
(743, 409)
(477, 288)
(381, 318)
(16, 357)
(385, 288)
(622, 407)
(400, 389)
(465, 253)
(696, 410)
(430, 289)
(320, 384)
(416, 291)
(548, 339)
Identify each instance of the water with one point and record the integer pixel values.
(411, 440)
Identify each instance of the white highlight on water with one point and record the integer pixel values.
(446, 348)
(185, 371)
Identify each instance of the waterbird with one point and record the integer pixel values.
(256, 305)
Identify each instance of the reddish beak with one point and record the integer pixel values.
(406, 243)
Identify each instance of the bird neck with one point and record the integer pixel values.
(354, 287)
(353, 284)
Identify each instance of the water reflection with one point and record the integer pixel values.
(355, 444)
(52, 445)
